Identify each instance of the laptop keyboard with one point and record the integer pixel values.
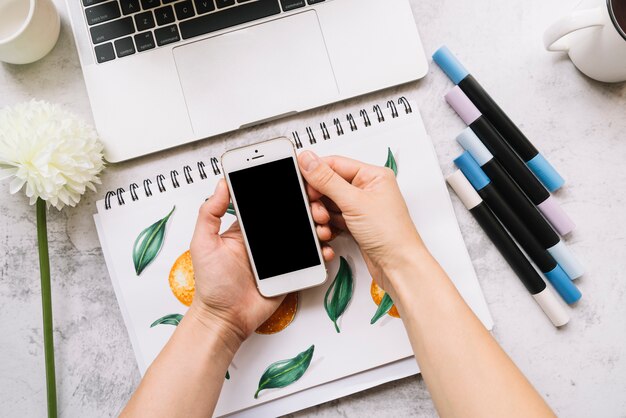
(120, 28)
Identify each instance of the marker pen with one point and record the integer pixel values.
(511, 162)
(526, 211)
(512, 254)
(488, 107)
(544, 261)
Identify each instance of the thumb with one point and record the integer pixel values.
(211, 212)
(319, 175)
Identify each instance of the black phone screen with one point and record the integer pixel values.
(273, 213)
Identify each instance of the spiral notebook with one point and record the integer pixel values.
(362, 354)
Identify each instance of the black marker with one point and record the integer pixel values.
(488, 107)
(524, 178)
(544, 261)
(526, 211)
(506, 246)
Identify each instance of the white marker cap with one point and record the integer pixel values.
(552, 307)
(464, 190)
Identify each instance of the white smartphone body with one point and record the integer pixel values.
(273, 209)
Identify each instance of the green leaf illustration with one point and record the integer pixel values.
(171, 319)
(285, 372)
(339, 292)
(174, 319)
(391, 162)
(385, 304)
(149, 243)
(231, 209)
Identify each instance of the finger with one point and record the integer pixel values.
(211, 212)
(312, 193)
(324, 232)
(334, 233)
(347, 168)
(319, 213)
(325, 180)
(328, 253)
(337, 221)
(330, 205)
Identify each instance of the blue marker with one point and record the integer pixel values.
(544, 261)
(488, 107)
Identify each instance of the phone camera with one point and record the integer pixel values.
(256, 150)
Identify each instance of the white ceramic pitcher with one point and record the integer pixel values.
(594, 39)
(28, 30)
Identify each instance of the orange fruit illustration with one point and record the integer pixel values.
(282, 317)
(182, 280)
(377, 295)
(183, 285)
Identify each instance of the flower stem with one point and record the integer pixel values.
(46, 303)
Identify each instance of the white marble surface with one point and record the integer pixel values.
(579, 124)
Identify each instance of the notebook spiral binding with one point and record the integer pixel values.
(351, 124)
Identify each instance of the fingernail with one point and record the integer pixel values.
(309, 160)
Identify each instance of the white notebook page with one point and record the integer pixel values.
(360, 346)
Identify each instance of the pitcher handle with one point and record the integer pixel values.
(579, 19)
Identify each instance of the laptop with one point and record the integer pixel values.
(160, 73)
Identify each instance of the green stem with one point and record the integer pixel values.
(46, 303)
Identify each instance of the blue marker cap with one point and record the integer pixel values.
(563, 285)
(545, 172)
(472, 171)
(453, 68)
(470, 143)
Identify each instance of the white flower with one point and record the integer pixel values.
(49, 151)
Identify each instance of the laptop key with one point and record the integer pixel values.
(204, 6)
(184, 10)
(112, 30)
(164, 15)
(102, 13)
(88, 3)
(226, 18)
(292, 4)
(104, 53)
(224, 3)
(166, 35)
(314, 1)
(130, 6)
(150, 4)
(145, 20)
(124, 47)
(144, 41)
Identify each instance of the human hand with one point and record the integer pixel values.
(226, 299)
(365, 201)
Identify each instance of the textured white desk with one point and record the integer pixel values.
(579, 124)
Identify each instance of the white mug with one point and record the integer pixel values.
(597, 40)
(28, 30)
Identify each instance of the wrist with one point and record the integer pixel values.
(410, 264)
(213, 325)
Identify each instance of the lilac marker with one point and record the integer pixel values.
(516, 168)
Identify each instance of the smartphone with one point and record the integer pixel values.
(273, 209)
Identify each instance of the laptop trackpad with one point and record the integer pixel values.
(255, 73)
